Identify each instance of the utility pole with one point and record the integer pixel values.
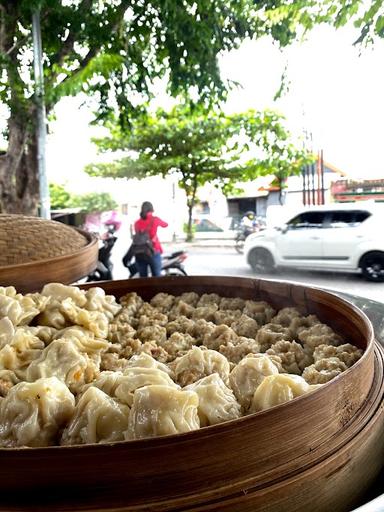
(45, 207)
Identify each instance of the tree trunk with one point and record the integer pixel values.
(189, 238)
(190, 187)
(19, 179)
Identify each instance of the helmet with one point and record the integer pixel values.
(251, 215)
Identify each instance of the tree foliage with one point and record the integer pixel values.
(114, 51)
(94, 202)
(201, 148)
(366, 15)
(60, 198)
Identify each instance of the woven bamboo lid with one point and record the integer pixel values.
(24, 239)
(35, 251)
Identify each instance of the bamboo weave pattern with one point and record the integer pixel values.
(24, 239)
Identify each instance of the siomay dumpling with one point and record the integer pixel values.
(248, 374)
(98, 418)
(217, 403)
(277, 389)
(136, 377)
(161, 410)
(33, 413)
(62, 359)
(198, 363)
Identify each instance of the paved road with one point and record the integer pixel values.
(208, 258)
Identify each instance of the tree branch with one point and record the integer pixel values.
(68, 44)
(94, 50)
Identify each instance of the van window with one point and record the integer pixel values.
(347, 218)
(307, 220)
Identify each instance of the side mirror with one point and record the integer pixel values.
(283, 229)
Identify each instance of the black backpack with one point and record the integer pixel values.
(142, 246)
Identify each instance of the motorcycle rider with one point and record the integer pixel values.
(248, 223)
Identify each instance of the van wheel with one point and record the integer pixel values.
(261, 260)
(372, 266)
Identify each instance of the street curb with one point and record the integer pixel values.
(201, 243)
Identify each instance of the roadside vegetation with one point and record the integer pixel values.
(202, 146)
(94, 202)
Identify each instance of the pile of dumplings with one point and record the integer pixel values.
(79, 367)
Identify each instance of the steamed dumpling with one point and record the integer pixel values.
(107, 381)
(23, 349)
(84, 339)
(277, 389)
(198, 363)
(7, 331)
(54, 315)
(33, 413)
(144, 360)
(63, 360)
(136, 377)
(217, 403)
(98, 418)
(248, 374)
(162, 410)
(60, 292)
(20, 309)
(95, 321)
(97, 300)
(45, 333)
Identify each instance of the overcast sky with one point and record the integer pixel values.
(335, 93)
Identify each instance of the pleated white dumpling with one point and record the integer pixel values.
(277, 389)
(162, 410)
(19, 309)
(217, 403)
(7, 330)
(107, 381)
(95, 321)
(248, 374)
(33, 413)
(97, 418)
(61, 292)
(84, 339)
(136, 377)
(144, 360)
(62, 359)
(45, 333)
(97, 300)
(20, 352)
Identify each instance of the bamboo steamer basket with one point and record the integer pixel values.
(321, 451)
(35, 251)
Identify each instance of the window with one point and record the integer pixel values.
(307, 220)
(347, 218)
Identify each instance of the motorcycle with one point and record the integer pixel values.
(103, 271)
(172, 265)
(244, 231)
(241, 235)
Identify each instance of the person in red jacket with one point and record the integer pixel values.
(149, 222)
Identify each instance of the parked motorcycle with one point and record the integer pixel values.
(103, 271)
(172, 265)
